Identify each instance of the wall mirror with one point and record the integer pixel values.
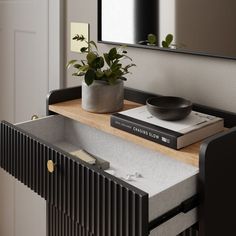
(204, 27)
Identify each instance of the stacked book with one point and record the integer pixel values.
(174, 134)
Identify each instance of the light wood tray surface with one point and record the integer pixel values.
(72, 109)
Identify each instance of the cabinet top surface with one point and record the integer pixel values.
(72, 109)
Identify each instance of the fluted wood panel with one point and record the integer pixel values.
(98, 202)
(193, 231)
(60, 224)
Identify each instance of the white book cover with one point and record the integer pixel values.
(195, 120)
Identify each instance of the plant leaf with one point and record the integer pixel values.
(119, 56)
(126, 68)
(164, 44)
(70, 63)
(99, 74)
(152, 39)
(106, 56)
(169, 39)
(121, 49)
(98, 63)
(89, 77)
(116, 65)
(77, 66)
(118, 73)
(91, 56)
(94, 44)
(84, 68)
(130, 65)
(127, 57)
(84, 49)
(78, 74)
(112, 54)
(108, 73)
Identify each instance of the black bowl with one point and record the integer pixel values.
(169, 108)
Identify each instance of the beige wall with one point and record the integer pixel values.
(209, 81)
(194, 22)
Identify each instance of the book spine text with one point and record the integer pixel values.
(144, 132)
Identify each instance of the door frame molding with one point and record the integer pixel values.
(56, 50)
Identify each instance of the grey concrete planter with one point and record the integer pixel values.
(101, 97)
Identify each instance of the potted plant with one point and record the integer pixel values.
(103, 83)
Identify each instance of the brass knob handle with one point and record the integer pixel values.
(34, 117)
(51, 166)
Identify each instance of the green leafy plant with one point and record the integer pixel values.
(168, 40)
(168, 43)
(106, 67)
(152, 41)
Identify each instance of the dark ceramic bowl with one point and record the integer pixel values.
(169, 108)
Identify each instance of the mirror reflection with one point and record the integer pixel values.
(195, 26)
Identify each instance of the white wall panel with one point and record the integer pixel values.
(6, 204)
(29, 207)
(6, 80)
(30, 88)
(24, 83)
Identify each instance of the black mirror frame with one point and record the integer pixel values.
(99, 40)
